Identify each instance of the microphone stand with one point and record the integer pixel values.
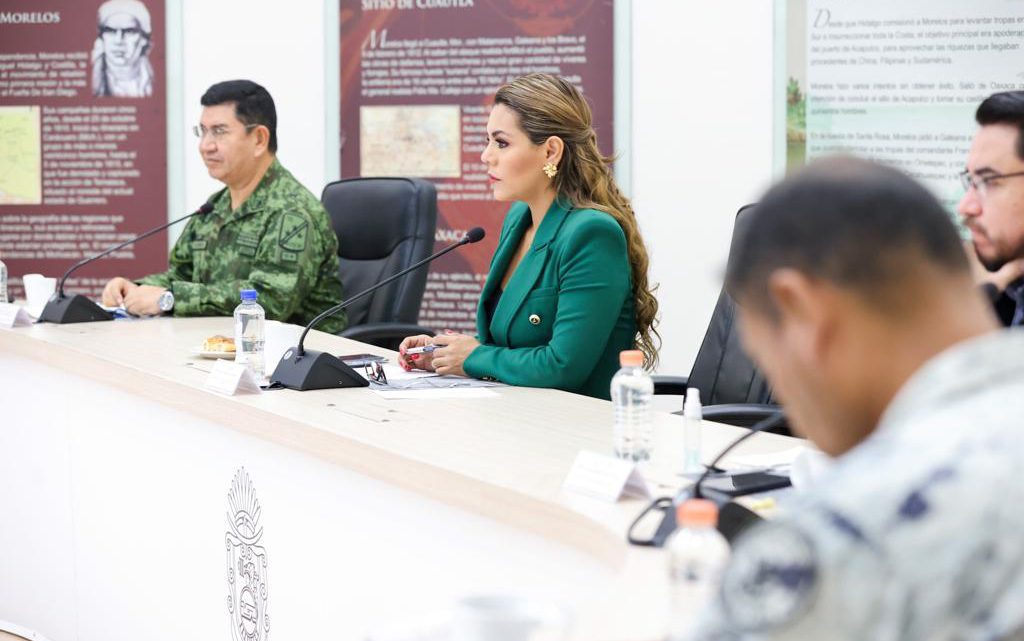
(80, 309)
(302, 369)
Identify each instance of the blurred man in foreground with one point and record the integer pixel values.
(857, 301)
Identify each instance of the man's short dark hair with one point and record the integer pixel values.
(253, 104)
(1006, 108)
(855, 223)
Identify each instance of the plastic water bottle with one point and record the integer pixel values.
(692, 416)
(632, 395)
(3, 283)
(249, 337)
(698, 555)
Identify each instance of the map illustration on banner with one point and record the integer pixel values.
(897, 81)
(21, 164)
(392, 140)
(417, 80)
(83, 137)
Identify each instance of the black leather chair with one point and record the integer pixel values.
(383, 225)
(732, 390)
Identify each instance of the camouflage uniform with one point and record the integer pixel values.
(279, 242)
(915, 534)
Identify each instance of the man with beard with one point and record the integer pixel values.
(993, 205)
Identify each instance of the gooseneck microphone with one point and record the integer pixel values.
(303, 369)
(79, 309)
(473, 235)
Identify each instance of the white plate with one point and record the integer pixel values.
(213, 355)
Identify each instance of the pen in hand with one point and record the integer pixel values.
(426, 349)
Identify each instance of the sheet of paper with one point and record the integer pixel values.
(230, 378)
(12, 315)
(120, 313)
(438, 393)
(772, 459)
(396, 373)
(399, 379)
(605, 477)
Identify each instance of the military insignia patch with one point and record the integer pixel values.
(294, 229)
(248, 240)
(771, 579)
(198, 245)
(247, 563)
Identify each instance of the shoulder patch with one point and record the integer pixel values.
(772, 578)
(294, 232)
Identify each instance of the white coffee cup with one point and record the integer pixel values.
(508, 618)
(278, 337)
(38, 290)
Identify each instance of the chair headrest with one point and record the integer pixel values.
(372, 216)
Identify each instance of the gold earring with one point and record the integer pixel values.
(550, 169)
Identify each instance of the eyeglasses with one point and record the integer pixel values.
(981, 183)
(216, 132)
(375, 373)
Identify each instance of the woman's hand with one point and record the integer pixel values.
(452, 351)
(416, 361)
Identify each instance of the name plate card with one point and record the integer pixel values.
(12, 315)
(606, 477)
(230, 378)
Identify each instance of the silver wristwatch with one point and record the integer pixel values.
(166, 301)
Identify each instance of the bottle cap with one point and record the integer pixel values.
(692, 407)
(248, 294)
(697, 512)
(631, 358)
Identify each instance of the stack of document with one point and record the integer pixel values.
(403, 384)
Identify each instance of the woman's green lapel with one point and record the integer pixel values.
(529, 269)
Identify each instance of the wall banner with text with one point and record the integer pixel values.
(83, 137)
(417, 80)
(898, 82)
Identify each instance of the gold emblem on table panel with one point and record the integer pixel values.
(247, 563)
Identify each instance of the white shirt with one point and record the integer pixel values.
(917, 533)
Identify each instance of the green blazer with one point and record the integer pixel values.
(567, 311)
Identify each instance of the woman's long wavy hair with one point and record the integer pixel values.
(550, 106)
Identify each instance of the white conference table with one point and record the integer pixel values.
(136, 504)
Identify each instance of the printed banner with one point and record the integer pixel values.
(83, 138)
(417, 81)
(897, 81)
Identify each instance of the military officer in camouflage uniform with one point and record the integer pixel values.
(857, 301)
(266, 232)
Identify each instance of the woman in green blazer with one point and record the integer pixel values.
(567, 287)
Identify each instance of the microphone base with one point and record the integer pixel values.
(73, 309)
(315, 370)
